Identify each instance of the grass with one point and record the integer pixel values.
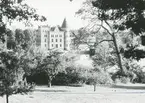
(85, 94)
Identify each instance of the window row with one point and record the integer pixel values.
(56, 35)
(45, 30)
(56, 45)
(56, 40)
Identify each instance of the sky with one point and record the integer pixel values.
(56, 10)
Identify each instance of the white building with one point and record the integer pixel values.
(57, 37)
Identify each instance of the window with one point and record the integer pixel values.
(56, 40)
(56, 35)
(52, 35)
(52, 45)
(60, 40)
(52, 40)
(60, 45)
(45, 35)
(56, 45)
(45, 45)
(45, 40)
(60, 35)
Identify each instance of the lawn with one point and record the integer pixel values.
(67, 94)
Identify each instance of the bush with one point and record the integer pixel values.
(61, 79)
(140, 77)
(69, 79)
(122, 80)
(99, 78)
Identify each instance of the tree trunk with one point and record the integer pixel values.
(118, 53)
(7, 98)
(49, 82)
(94, 87)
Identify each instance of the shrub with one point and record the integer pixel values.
(99, 78)
(122, 80)
(61, 79)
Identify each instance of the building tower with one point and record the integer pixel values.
(43, 37)
(67, 42)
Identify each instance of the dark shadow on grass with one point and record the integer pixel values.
(128, 87)
(41, 90)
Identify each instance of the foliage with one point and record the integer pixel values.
(129, 13)
(80, 37)
(103, 56)
(77, 75)
(133, 72)
(51, 65)
(25, 38)
(123, 80)
(9, 67)
(99, 76)
(114, 17)
(134, 53)
(62, 79)
(70, 73)
(16, 10)
(11, 44)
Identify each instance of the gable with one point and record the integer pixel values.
(56, 29)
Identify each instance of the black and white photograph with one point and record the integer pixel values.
(72, 51)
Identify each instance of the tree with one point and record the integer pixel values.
(15, 10)
(80, 37)
(11, 44)
(98, 76)
(114, 17)
(19, 37)
(25, 38)
(103, 57)
(51, 66)
(9, 70)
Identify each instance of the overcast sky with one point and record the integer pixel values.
(56, 10)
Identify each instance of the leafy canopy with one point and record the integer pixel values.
(9, 70)
(129, 13)
(15, 10)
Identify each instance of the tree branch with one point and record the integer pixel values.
(108, 24)
(102, 41)
(105, 29)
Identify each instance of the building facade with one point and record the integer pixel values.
(57, 37)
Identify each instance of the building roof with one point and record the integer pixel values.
(53, 28)
(64, 24)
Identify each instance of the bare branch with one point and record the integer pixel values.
(99, 27)
(103, 41)
(108, 24)
(105, 29)
(74, 34)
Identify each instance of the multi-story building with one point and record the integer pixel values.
(57, 37)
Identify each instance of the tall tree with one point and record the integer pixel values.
(80, 37)
(115, 16)
(51, 65)
(15, 10)
(25, 38)
(9, 70)
(11, 44)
